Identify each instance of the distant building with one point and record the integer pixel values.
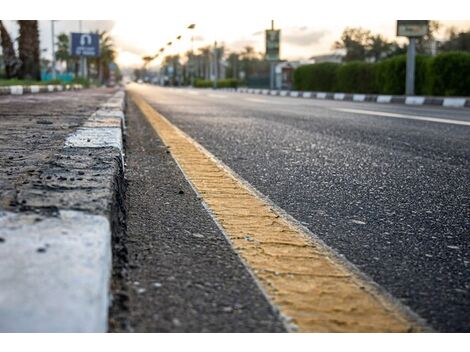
(285, 73)
(334, 56)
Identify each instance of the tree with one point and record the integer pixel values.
(378, 47)
(28, 47)
(107, 55)
(63, 51)
(427, 44)
(11, 61)
(458, 41)
(232, 69)
(355, 41)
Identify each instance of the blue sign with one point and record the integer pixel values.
(85, 44)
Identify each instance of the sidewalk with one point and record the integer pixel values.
(61, 179)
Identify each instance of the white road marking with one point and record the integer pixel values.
(193, 93)
(216, 96)
(402, 116)
(255, 100)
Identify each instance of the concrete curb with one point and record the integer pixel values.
(455, 102)
(56, 256)
(20, 90)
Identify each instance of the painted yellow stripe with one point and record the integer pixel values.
(301, 277)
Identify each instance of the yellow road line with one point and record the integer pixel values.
(301, 276)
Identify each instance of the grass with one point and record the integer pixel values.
(21, 82)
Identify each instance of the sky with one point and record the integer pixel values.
(308, 27)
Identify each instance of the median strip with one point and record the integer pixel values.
(311, 286)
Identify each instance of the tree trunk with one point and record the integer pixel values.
(29, 50)
(12, 63)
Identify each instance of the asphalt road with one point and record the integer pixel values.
(183, 275)
(387, 186)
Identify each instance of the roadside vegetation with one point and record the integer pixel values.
(447, 74)
(376, 66)
(22, 64)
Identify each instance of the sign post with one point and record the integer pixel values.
(84, 45)
(412, 29)
(273, 39)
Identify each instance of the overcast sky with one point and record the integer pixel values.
(303, 34)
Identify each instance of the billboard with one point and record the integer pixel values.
(412, 28)
(273, 38)
(85, 44)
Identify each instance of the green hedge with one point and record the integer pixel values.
(390, 75)
(316, 77)
(451, 74)
(447, 74)
(223, 83)
(355, 77)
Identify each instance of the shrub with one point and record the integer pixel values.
(356, 77)
(390, 75)
(450, 73)
(316, 77)
(447, 74)
(223, 83)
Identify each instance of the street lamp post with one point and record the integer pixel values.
(216, 68)
(191, 57)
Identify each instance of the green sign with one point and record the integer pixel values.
(273, 38)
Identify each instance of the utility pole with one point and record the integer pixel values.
(410, 67)
(53, 50)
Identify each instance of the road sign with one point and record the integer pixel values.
(85, 44)
(412, 28)
(273, 38)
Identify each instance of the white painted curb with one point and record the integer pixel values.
(414, 100)
(54, 273)
(454, 102)
(384, 99)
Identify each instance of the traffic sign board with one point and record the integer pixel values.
(273, 38)
(85, 44)
(412, 28)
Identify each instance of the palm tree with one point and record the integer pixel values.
(28, 47)
(107, 56)
(63, 51)
(12, 63)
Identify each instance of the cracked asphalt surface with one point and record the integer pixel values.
(36, 171)
(183, 275)
(391, 195)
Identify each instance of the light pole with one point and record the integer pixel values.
(53, 49)
(191, 60)
(216, 66)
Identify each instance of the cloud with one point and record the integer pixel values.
(302, 36)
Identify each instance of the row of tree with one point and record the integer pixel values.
(25, 65)
(359, 45)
